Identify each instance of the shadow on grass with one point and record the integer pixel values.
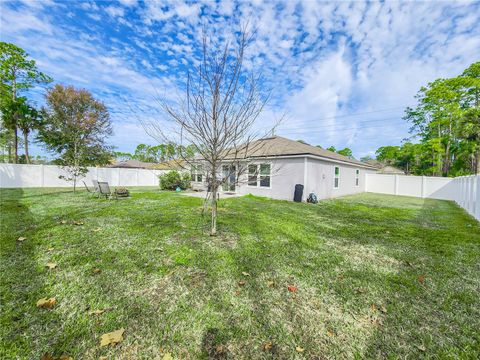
(23, 281)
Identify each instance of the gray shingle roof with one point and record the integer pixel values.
(280, 146)
(132, 164)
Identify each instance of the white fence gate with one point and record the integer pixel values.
(464, 190)
(21, 176)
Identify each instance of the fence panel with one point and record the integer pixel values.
(21, 176)
(409, 185)
(464, 190)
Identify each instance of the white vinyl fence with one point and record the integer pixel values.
(21, 176)
(464, 190)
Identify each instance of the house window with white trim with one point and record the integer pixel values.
(336, 179)
(197, 173)
(264, 175)
(259, 175)
(252, 175)
(357, 177)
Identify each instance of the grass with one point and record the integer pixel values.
(377, 276)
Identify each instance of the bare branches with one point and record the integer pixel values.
(217, 114)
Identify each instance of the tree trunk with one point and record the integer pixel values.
(15, 145)
(25, 138)
(9, 147)
(15, 132)
(478, 162)
(213, 229)
(74, 184)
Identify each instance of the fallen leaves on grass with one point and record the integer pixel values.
(50, 249)
(237, 293)
(270, 283)
(51, 265)
(360, 291)
(242, 283)
(267, 346)
(167, 356)
(21, 239)
(112, 338)
(421, 279)
(292, 288)
(96, 312)
(63, 222)
(300, 349)
(46, 303)
(421, 348)
(244, 273)
(78, 223)
(330, 333)
(97, 271)
(97, 229)
(220, 351)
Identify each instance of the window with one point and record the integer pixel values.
(264, 175)
(197, 173)
(252, 175)
(336, 180)
(259, 175)
(357, 177)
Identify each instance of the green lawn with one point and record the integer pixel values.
(376, 276)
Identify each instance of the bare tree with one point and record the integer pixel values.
(217, 113)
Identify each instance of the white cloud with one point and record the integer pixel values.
(115, 11)
(30, 21)
(128, 2)
(322, 60)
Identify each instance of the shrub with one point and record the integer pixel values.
(174, 179)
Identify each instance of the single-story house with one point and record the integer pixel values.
(274, 165)
(178, 165)
(391, 170)
(132, 164)
(384, 168)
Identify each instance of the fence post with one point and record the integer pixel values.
(477, 199)
(468, 194)
(473, 185)
(396, 185)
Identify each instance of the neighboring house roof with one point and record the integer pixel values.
(375, 163)
(171, 165)
(277, 146)
(136, 164)
(390, 170)
(132, 164)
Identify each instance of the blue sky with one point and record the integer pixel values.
(341, 72)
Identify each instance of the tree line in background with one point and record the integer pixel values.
(446, 121)
(157, 153)
(72, 125)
